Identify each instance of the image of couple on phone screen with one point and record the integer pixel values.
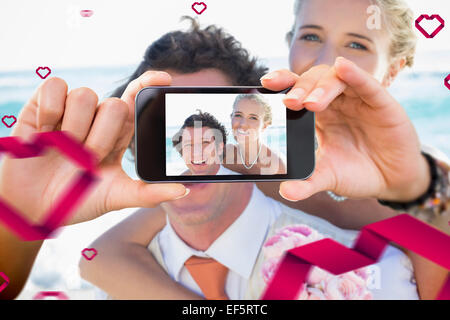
(210, 138)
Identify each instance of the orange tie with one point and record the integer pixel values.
(210, 276)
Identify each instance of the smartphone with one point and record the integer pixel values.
(221, 134)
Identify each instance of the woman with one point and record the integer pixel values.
(250, 117)
(324, 32)
(357, 156)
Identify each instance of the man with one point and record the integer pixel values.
(201, 141)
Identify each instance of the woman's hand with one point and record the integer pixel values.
(34, 185)
(368, 147)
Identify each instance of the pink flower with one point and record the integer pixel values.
(346, 287)
(362, 272)
(268, 269)
(349, 289)
(300, 228)
(289, 237)
(320, 284)
(273, 240)
(367, 296)
(354, 277)
(332, 289)
(318, 275)
(316, 294)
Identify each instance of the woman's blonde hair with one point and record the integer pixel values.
(399, 21)
(258, 99)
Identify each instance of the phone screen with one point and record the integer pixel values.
(214, 134)
(225, 134)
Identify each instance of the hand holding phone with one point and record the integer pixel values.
(368, 146)
(106, 128)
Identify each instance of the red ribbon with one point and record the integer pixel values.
(70, 197)
(333, 257)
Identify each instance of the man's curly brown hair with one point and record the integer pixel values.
(197, 49)
(203, 120)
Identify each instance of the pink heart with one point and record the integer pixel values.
(432, 17)
(89, 253)
(447, 82)
(69, 199)
(86, 13)
(43, 72)
(58, 294)
(8, 122)
(4, 284)
(199, 7)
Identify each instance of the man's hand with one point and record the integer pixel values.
(34, 185)
(368, 147)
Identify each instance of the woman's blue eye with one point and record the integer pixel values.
(356, 45)
(253, 118)
(310, 37)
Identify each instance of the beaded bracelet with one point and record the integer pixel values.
(405, 206)
(335, 197)
(439, 202)
(435, 202)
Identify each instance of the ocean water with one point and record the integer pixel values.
(427, 102)
(17, 87)
(423, 95)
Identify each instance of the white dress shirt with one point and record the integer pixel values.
(237, 248)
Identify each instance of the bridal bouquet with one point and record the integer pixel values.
(320, 285)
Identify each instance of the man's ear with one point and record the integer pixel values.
(221, 149)
(393, 71)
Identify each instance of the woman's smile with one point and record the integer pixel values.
(243, 132)
(198, 162)
(247, 120)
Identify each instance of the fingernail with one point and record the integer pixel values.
(184, 195)
(340, 60)
(163, 73)
(148, 77)
(269, 76)
(284, 197)
(315, 96)
(295, 94)
(46, 128)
